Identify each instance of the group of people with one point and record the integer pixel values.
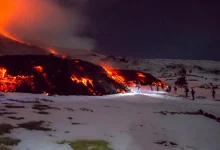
(169, 88)
(193, 92)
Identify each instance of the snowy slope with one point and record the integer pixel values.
(138, 127)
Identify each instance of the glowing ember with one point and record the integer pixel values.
(9, 83)
(85, 81)
(115, 76)
(121, 91)
(47, 94)
(92, 91)
(52, 51)
(141, 75)
(39, 68)
(161, 84)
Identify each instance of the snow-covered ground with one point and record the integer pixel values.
(127, 121)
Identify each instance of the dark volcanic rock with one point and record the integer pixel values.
(34, 125)
(199, 112)
(56, 76)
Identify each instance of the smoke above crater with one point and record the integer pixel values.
(46, 22)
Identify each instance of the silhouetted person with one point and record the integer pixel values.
(139, 88)
(186, 91)
(213, 93)
(162, 86)
(157, 87)
(175, 89)
(151, 87)
(169, 88)
(193, 93)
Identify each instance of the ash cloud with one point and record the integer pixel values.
(49, 22)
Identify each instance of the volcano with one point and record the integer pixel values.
(53, 75)
(50, 74)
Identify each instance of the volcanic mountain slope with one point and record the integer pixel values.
(53, 75)
(9, 46)
(198, 73)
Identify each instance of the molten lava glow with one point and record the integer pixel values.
(141, 75)
(55, 52)
(162, 84)
(121, 91)
(52, 51)
(39, 68)
(114, 75)
(9, 83)
(4, 33)
(8, 9)
(47, 94)
(85, 81)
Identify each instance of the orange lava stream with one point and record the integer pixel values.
(162, 84)
(85, 81)
(115, 76)
(40, 69)
(9, 83)
(141, 75)
(10, 37)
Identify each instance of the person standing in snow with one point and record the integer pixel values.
(169, 88)
(193, 93)
(175, 89)
(139, 88)
(151, 87)
(213, 93)
(162, 86)
(186, 91)
(157, 87)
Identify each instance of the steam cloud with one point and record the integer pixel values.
(47, 22)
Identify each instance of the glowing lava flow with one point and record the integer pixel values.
(141, 75)
(40, 69)
(85, 81)
(115, 76)
(161, 84)
(11, 37)
(9, 83)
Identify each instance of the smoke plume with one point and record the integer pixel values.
(46, 22)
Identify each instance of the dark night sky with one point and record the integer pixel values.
(182, 29)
